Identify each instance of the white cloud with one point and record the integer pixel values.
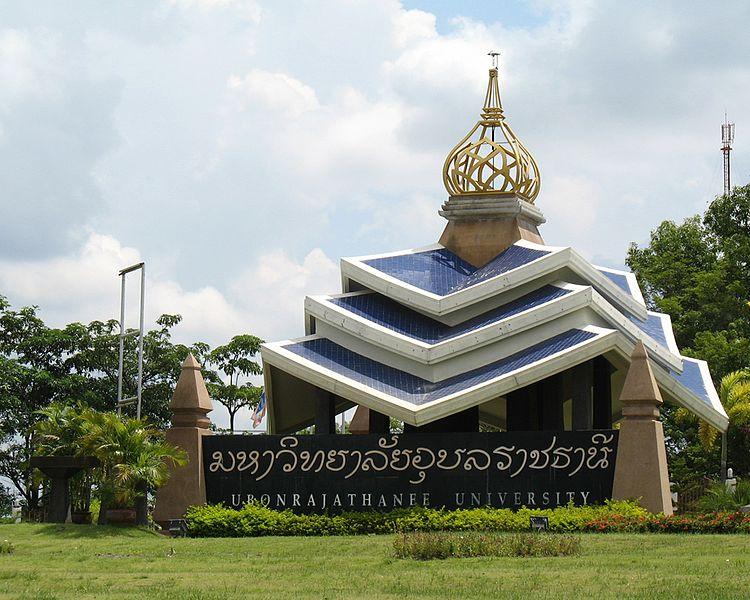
(233, 145)
(413, 25)
(274, 92)
(265, 299)
(272, 291)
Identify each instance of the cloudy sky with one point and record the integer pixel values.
(241, 147)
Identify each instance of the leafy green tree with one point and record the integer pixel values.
(235, 361)
(33, 373)
(6, 501)
(40, 365)
(96, 358)
(699, 273)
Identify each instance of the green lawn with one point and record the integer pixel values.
(96, 562)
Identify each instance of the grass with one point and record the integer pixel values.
(81, 562)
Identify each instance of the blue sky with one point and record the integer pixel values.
(240, 147)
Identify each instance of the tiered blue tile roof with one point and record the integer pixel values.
(397, 317)
(413, 389)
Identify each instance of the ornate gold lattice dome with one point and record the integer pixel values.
(491, 159)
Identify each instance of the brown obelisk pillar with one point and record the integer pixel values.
(190, 422)
(641, 465)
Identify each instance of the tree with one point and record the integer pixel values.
(699, 273)
(33, 373)
(734, 393)
(97, 359)
(234, 360)
(40, 365)
(6, 501)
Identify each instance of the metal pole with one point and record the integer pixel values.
(724, 456)
(122, 343)
(140, 340)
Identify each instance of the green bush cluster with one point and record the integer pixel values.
(720, 522)
(6, 547)
(257, 520)
(426, 545)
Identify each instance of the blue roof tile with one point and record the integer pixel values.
(383, 311)
(653, 326)
(441, 272)
(413, 389)
(692, 378)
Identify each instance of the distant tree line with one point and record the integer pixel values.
(77, 364)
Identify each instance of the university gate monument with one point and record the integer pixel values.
(557, 361)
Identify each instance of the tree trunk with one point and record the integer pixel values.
(231, 422)
(141, 504)
(103, 505)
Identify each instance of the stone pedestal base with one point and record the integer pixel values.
(481, 227)
(641, 466)
(186, 486)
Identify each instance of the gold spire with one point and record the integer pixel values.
(491, 160)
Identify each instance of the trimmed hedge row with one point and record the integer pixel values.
(257, 520)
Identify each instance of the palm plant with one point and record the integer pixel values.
(734, 394)
(134, 459)
(720, 497)
(61, 430)
(60, 433)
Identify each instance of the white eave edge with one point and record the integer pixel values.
(580, 297)
(605, 340)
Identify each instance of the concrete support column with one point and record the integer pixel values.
(59, 499)
(521, 409)
(580, 382)
(641, 464)
(379, 423)
(550, 403)
(325, 413)
(369, 421)
(602, 418)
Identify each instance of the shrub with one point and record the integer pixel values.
(430, 545)
(6, 547)
(720, 498)
(722, 522)
(258, 520)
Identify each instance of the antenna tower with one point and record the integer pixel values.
(727, 138)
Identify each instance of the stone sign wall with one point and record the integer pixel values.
(317, 473)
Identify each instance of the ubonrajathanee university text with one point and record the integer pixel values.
(361, 501)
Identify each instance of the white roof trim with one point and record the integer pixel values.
(434, 304)
(666, 325)
(605, 340)
(630, 277)
(580, 297)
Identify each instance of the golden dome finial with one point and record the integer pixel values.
(491, 160)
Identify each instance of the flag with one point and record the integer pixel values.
(260, 411)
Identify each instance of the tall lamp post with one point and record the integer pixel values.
(137, 398)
